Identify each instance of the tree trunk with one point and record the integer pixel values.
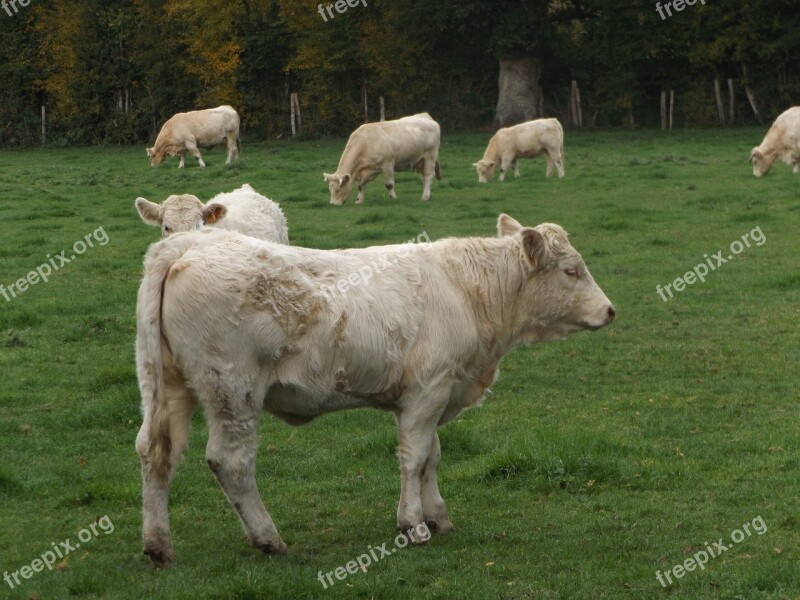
(520, 95)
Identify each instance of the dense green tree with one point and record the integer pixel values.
(111, 71)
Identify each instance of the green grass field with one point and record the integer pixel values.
(595, 462)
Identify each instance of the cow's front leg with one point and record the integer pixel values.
(796, 167)
(231, 451)
(515, 166)
(416, 427)
(433, 507)
(504, 165)
(360, 196)
(183, 158)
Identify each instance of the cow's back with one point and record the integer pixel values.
(305, 315)
(786, 128)
(252, 214)
(401, 140)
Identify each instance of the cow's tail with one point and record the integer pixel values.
(153, 443)
(438, 171)
(238, 144)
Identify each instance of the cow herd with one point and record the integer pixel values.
(233, 318)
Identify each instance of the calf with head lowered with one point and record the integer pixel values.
(241, 326)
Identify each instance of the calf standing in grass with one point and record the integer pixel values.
(243, 210)
(243, 326)
(190, 131)
(407, 144)
(782, 141)
(526, 140)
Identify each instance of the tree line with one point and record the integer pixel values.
(112, 71)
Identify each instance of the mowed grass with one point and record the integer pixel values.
(595, 461)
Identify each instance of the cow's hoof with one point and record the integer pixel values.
(271, 547)
(160, 556)
(417, 535)
(424, 199)
(440, 525)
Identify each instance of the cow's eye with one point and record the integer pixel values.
(571, 272)
(167, 229)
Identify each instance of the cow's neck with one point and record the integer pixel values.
(490, 276)
(349, 161)
(492, 151)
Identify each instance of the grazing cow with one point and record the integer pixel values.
(243, 210)
(407, 144)
(525, 140)
(187, 132)
(243, 326)
(782, 141)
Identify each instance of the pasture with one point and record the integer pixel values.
(596, 461)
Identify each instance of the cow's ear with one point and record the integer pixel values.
(213, 213)
(490, 164)
(756, 153)
(507, 226)
(345, 178)
(149, 211)
(534, 247)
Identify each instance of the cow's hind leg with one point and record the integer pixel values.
(550, 166)
(231, 451)
(433, 507)
(233, 149)
(515, 166)
(428, 173)
(160, 443)
(558, 161)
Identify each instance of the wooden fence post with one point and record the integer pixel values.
(671, 107)
(720, 106)
(731, 102)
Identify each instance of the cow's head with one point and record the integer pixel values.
(179, 213)
(340, 187)
(559, 295)
(156, 158)
(761, 162)
(485, 170)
